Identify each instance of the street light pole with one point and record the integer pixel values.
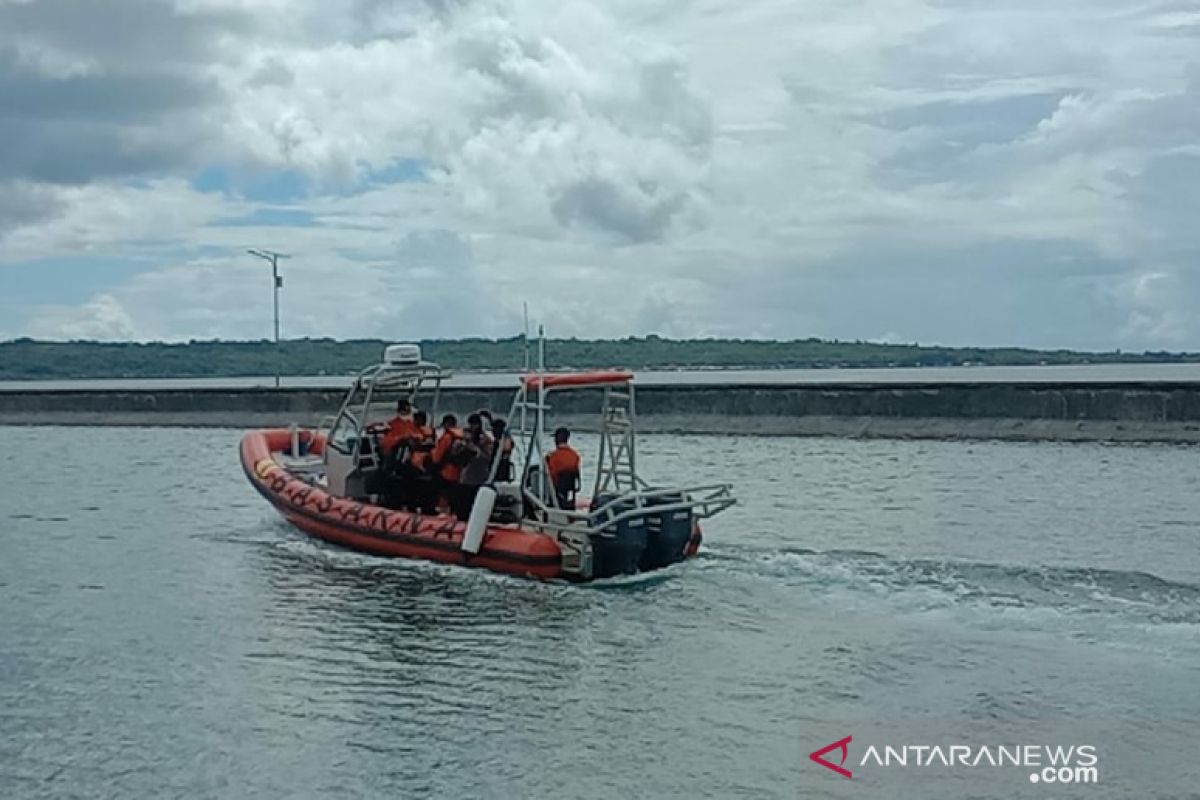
(277, 284)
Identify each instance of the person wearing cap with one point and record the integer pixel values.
(392, 437)
(401, 428)
(562, 465)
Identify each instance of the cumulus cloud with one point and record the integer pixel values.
(105, 88)
(97, 218)
(965, 173)
(102, 318)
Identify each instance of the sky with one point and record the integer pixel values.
(964, 172)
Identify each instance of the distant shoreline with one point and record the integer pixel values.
(27, 359)
(1118, 412)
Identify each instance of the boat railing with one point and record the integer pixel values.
(703, 501)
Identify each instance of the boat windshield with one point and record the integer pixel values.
(343, 433)
(373, 399)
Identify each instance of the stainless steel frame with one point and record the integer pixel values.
(406, 380)
(622, 491)
(629, 495)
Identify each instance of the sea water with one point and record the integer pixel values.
(164, 634)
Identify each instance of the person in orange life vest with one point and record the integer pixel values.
(562, 464)
(400, 429)
(421, 487)
(440, 458)
(389, 437)
(422, 442)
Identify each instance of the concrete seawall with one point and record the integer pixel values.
(1166, 412)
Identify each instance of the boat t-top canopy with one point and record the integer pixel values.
(402, 374)
(562, 380)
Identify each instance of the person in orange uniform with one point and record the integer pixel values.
(562, 464)
(400, 429)
(390, 438)
(421, 486)
(440, 458)
(421, 443)
(444, 466)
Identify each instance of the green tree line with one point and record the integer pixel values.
(28, 359)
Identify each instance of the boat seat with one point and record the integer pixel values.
(304, 467)
(510, 506)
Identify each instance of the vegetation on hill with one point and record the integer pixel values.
(27, 359)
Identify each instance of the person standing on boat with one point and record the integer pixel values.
(477, 464)
(446, 459)
(419, 486)
(401, 429)
(503, 450)
(392, 439)
(562, 465)
(502, 442)
(422, 442)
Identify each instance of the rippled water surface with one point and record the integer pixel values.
(163, 634)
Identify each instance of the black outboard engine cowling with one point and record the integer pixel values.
(667, 533)
(617, 549)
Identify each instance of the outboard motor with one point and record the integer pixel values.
(667, 533)
(617, 548)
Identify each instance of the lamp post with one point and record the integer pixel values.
(277, 284)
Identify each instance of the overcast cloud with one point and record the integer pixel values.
(969, 172)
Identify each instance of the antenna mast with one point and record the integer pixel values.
(525, 337)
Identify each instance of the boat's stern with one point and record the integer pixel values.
(639, 532)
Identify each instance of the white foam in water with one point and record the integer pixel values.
(983, 596)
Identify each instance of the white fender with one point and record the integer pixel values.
(481, 512)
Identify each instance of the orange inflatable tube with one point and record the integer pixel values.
(384, 532)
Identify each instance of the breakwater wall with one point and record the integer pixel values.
(1168, 412)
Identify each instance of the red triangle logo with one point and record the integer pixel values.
(842, 744)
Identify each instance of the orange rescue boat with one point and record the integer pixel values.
(338, 486)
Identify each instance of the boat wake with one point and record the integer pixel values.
(1074, 599)
(932, 583)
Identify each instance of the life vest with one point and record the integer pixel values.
(450, 438)
(421, 445)
(399, 431)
